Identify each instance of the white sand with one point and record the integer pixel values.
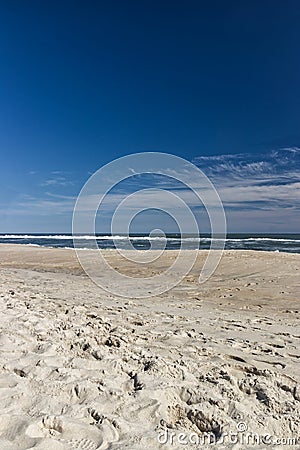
(81, 369)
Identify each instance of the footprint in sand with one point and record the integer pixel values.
(11, 428)
(74, 434)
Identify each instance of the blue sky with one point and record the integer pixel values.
(82, 83)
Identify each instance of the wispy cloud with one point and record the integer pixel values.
(57, 181)
(261, 191)
(34, 206)
(280, 167)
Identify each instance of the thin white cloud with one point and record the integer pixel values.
(57, 181)
(259, 193)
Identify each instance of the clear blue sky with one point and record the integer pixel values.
(84, 82)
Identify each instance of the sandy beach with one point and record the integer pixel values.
(83, 369)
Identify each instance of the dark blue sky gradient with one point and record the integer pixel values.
(96, 80)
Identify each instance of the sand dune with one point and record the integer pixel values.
(82, 369)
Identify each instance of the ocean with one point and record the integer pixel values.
(264, 242)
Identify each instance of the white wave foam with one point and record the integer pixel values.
(58, 237)
(143, 238)
(262, 239)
